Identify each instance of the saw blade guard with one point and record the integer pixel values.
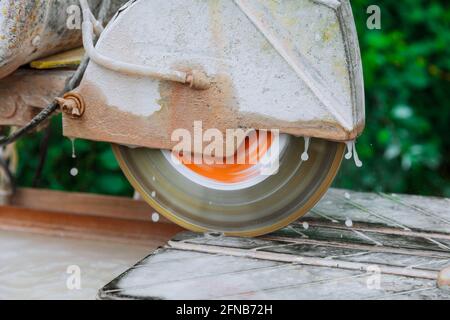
(161, 65)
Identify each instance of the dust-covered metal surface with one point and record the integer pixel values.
(292, 65)
(31, 29)
(351, 246)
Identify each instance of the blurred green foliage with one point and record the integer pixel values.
(406, 144)
(405, 147)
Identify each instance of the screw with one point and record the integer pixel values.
(72, 104)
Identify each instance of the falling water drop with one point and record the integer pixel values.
(136, 196)
(305, 225)
(153, 194)
(74, 154)
(351, 151)
(74, 172)
(155, 217)
(305, 156)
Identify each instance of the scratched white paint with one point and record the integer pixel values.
(302, 75)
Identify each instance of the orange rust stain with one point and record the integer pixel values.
(180, 108)
(215, 107)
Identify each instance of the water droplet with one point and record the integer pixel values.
(74, 154)
(153, 178)
(305, 155)
(305, 225)
(349, 223)
(349, 153)
(155, 217)
(136, 196)
(153, 194)
(74, 172)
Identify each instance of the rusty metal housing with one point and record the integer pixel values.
(288, 65)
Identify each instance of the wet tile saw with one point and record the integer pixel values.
(286, 73)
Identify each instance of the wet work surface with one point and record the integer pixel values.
(351, 246)
(45, 267)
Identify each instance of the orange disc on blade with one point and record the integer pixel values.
(237, 168)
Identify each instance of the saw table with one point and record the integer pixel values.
(351, 246)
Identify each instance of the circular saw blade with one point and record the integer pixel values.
(267, 206)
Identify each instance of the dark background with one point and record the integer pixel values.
(405, 147)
